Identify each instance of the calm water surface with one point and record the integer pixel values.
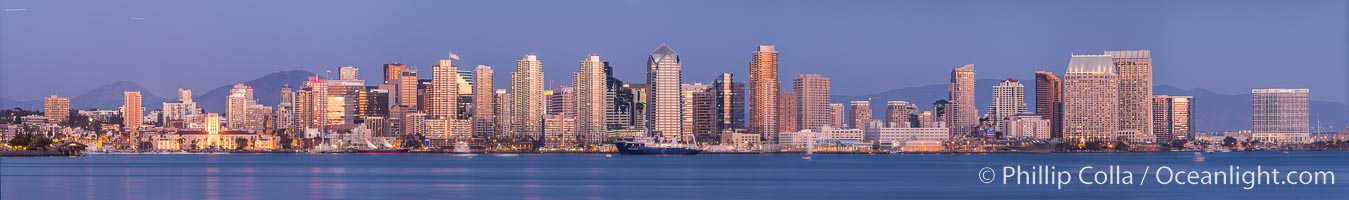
(594, 176)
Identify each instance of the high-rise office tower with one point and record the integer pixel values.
(706, 118)
(1090, 99)
(763, 93)
(344, 97)
(813, 97)
(590, 102)
(132, 112)
(527, 98)
(1279, 115)
(688, 93)
(236, 106)
(730, 102)
(1173, 118)
(374, 102)
(1009, 98)
(561, 101)
(621, 106)
(285, 109)
(861, 114)
(1134, 69)
(502, 109)
(961, 115)
(837, 115)
(443, 97)
(484, 114)
(407, 89)
(346, 73)
(56, 109)
(1049, 101)
(897, 114)
(788, 117)
(393, 72)
(664, 103)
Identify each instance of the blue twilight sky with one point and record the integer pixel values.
(865, 46)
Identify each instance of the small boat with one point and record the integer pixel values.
(1198, 157)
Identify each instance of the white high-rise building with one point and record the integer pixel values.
(1090, 99)
(664, 106)
(590, 101)
(236, 106)
(1280, 115)
(961, 115)
(812, 92)
(1009, 98)
(527, 98)
(443, 95)
(484, 114)
(1134, 69)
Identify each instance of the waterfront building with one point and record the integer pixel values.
(1134, 69)
(812, 91)
(1049, 101)
(56, 109)
(414, 123)
(664, 102)
(898, 114)
(898, 137)
(1173, 118)
(1090, 99)
(1009, 98)
(590, 101)
(132, 112)
(763, 92)
(484, 104)
(961, 115)
(822, 136)
(527, 98)
(788, 117)
(559, 132)
(1025, 125)
(1280, 115)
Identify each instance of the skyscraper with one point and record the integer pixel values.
(236, 106)
(837, 115)
(407, 89)
(591, 102)
(664, 105)
(688, 96)
(443, 97)
(484, 115)
(1134, 69)
(861, 114)
(763, 93)
(813, 96)
(393, 72)
(1279, 115)
(730, 102)
(788, 117)
(1090, 99)
(56, 109)
(1049, 101)
(527, 98)
(1173, 118)
(132, 112)
(897, 114)
(560, 101)
(1009, 98)
(961, 115)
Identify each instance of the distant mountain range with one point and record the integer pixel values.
(1214, 112)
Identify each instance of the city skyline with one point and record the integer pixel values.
(1191, 45)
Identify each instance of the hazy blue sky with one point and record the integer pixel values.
(865, 46)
